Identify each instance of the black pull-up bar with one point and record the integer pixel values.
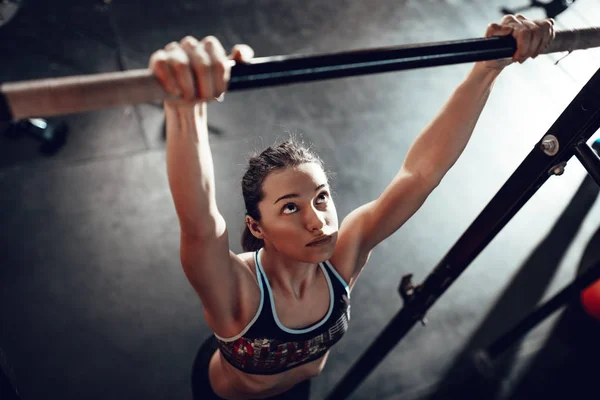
(57, 96)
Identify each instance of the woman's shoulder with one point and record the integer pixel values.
(247, 259)
(347, 259)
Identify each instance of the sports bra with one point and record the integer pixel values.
(266, 347)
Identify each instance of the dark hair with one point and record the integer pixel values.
(289, 153)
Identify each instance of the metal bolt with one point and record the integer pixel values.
(558, 169)
(550, 145)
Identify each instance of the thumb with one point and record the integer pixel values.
(498, 30)
(241, 53)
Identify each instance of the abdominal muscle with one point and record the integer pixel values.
(232, 384)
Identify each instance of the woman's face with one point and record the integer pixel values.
(296, 210)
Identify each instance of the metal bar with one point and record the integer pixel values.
(589, 159)
(578, 122)
(67, 95)
(542, 312)
(280, 70)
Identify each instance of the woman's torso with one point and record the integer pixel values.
(232, 383)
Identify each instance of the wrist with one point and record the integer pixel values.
(184, 110)
(185, 115)
(481, 76)
(482, 71)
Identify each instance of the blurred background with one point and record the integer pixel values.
(93, 301)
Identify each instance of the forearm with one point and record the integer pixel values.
(443, 140)
(190, 170)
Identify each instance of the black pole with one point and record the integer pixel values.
(579, 121)
(542, 312)
(278, 70)
(589, 160)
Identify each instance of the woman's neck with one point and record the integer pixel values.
(287, 276)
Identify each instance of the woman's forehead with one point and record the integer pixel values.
(302, 177)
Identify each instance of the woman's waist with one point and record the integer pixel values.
(230, 382)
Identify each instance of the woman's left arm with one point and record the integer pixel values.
(443, 140)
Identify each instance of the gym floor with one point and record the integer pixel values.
(93, 300)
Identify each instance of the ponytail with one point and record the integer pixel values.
(251, 242)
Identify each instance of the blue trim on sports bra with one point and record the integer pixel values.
(332, 269)
(298, 331)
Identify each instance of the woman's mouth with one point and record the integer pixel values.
(321, 242)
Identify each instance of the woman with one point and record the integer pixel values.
(277, 309)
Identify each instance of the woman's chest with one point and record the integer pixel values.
(302, 313)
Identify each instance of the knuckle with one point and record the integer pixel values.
(178, 63)
(172, 45)
(210, 39)
(522, 33)
(189, 40)
(158, 58)
(202, 60)
(210, 42)
(187, 46)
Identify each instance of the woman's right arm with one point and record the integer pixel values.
(191, 173)
(198, 72)
(204, 248)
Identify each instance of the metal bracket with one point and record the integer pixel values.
(407, 291)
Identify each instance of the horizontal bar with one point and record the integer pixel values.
(272, 71)
(67, 95)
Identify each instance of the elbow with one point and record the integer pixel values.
(209, 228)
(432, 181)
(426, 179)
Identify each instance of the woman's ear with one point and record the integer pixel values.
(254, 227)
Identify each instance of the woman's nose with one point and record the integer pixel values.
(315, 220)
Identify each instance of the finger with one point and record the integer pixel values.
(179, 64)
(544, 33)
(536, 37)
(547, 27)
(527, 37)
(220, 68)
(160, 69)
(498, 30)
(516, 25)
(521, 17)
(523, 38)
(200, 65)
(510, 20)
(241, 53)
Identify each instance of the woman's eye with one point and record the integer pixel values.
(289, 208)
(324, 196)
